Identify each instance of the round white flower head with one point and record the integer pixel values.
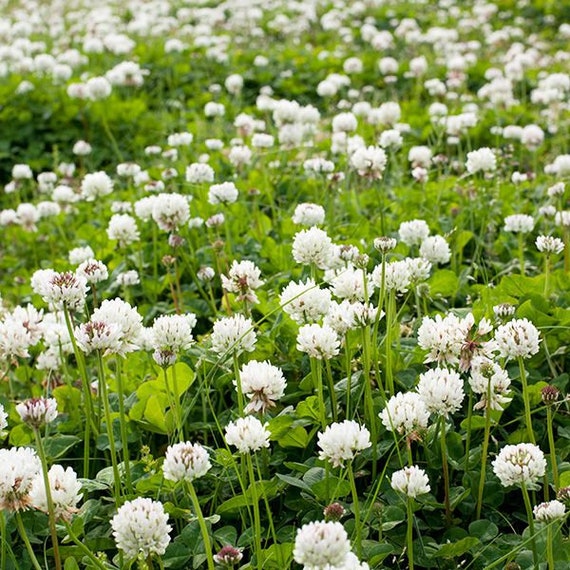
(441, 390)
(340, 442)
(93, 270)
(490, 380)
(312, 246)
(233, 335)
(351, 562)
(517, 338)
(141, 527)
(308, 214)
(320, 342)
(262, 383)
(96, 185)
(244, 277)
(523, 463)
(420, 156)
(171, 334)
(3, 418)
(18, 468)
(224, 193)
(396, 276)
(185, 462)
(405, 413)
(78, 255)
(519, 223)
(123, 228)
(340, 317)
(65, 289)
(37, 411)
(349, 283)
(413, 232)
(321, 545)
(305, 301)
(435, 249)
(65, 492)
(550, 511)
(199, 173)
(481, 160)
(247, 434)
(170, 211)
(114, 327)
(411, 481)
(549, 245)
(369, 161)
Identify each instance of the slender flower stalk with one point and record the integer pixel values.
(485, 450)
(84, 549)
(528, 418)
(410, 533)
(530, 518)
(317, 374)
(202, 524)
(445, 466)
(549, 396)
(239, 387)
(24, 537)
(355, 508)
(256, 514)
(123, 425)
(51, 510)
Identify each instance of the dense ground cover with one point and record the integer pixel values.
(284, 284)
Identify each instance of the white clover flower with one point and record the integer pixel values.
(441, 390)
(443, 337)
(420, 156)
(369, 161)
(532, 136)
(305, 301)
(199, 173)
(308, 214)
(349, 283)
(224, 193)
(233, 335)
(234, 83)
(171, 334)
(405, 413)
(243, 278)
(340, 317)
(481, 160)
(123, 228)
(64, 488)
(180, 139)
(115, 327)
(19, 466)
(411, 481)
(413, 232)
(170, 211)
(22, 172)
(549, 245)
(98, 88)
(262, 140)
(141, 527)
(95, 185)
(321, 545)
(550, 511)
(185, 462)
(64, 289)
(93, 270)
(517, 338)
(344, 122)
(523, 463)
(318, 165)
(397, 276)
(435, 249)
(320, 342)
(391, 139)
(418, 268)
(312, 246)
(341, 442)
(487, 376)
(262, 383)
(78, 255)
(247, 434)
(37, 411)
(519, 223)
(128, 278)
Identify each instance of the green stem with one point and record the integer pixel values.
(445, 467)
(173, 403)
(332, 393)
(484, 451)
(202, 524)
(546, 275)
(468, 435)
(410, 534)
(368, 398)
(390, 302)
(22, 531)
(317, 373)
(3, 539)
(123, 424)
(528, 419)
(551, 445)
(109, 425)
(86, 552)
(49, 499)
(521, 252)
(109, 133)
(256, 517)
(238, 385)
(356, 509)
(348, 375)
(549, 547)
(530, 522)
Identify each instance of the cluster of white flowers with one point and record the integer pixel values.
(171, 334)
(321, 545)
(549, 511)
(441, 390)
(37, 411)
(318, 341)
(405, 413)
(519, 464)
(262, 383)
(243, 279)
(489, 380)
(305, 302)
(517, 338)
(233, 335)
(247, 434)
(312, 246)
(341, 442)
(185, 462)
(411, 481)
